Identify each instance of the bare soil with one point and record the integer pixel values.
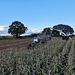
(14, 43)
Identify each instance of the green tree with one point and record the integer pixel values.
(17, 28)
(47, 31)
(65, 28)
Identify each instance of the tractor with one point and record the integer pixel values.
(40, 39)
(63, 35)
(36, 41)
(46, 37)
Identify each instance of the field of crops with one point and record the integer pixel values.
(56, 57)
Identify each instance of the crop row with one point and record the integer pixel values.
(52, 58)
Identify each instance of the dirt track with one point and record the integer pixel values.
(14, 43)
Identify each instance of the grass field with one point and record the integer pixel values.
(56, 57)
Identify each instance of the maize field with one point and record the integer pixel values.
(56, 57)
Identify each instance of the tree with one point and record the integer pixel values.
(35, 34)
(47, 31)
(17, 28)
(65, 28)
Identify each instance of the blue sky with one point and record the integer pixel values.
(37, 14)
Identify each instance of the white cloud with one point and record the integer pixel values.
(33, 31)
(4, 31)
(3, 28)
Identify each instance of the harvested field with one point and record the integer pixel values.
(14, 43)
(18, 43)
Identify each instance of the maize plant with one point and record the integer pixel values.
(56, 57)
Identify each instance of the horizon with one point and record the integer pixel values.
(36, 15)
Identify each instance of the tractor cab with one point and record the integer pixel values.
(36, 40)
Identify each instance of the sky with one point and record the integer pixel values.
(36, 14)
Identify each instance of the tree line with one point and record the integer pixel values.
(17, 28)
